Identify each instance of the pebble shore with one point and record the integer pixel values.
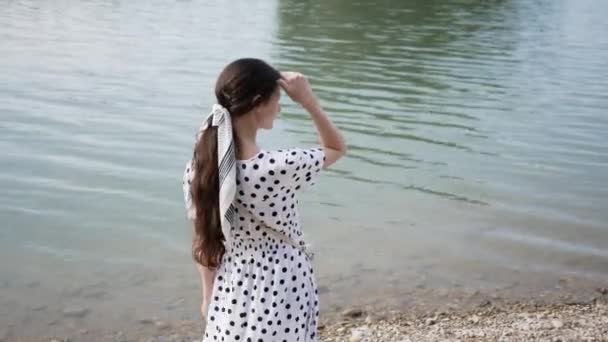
(487, 322)
(577, 322)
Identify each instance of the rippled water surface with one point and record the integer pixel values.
(477, 132)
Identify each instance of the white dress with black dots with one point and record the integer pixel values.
(264, 289)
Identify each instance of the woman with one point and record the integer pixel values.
(256, 270)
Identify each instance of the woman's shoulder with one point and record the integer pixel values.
(274, 169)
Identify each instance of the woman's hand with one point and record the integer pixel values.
(207, 279)
(297, 88)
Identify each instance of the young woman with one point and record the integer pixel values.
(256, 272)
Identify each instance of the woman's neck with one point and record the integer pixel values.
(245, 134)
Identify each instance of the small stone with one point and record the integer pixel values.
(524, 326)
(474, 319)
(83, 331)
(430, 321)
(557, 324)
(372, 318)
(75, 312)
(485, 303)
(603, 291)
(352, 313)
(146, 321)
(358, 334)
(161, 325)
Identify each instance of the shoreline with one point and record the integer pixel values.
(514, 322)
(555, 319)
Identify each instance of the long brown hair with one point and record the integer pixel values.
(241, 86)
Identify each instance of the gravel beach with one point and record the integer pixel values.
(576, 321)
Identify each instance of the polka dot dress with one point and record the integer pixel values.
(264, 289)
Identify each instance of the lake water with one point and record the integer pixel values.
(477, 133)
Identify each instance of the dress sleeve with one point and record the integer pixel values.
(303, 166)
(186, 181)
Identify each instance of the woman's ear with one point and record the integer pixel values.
(255, 100)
